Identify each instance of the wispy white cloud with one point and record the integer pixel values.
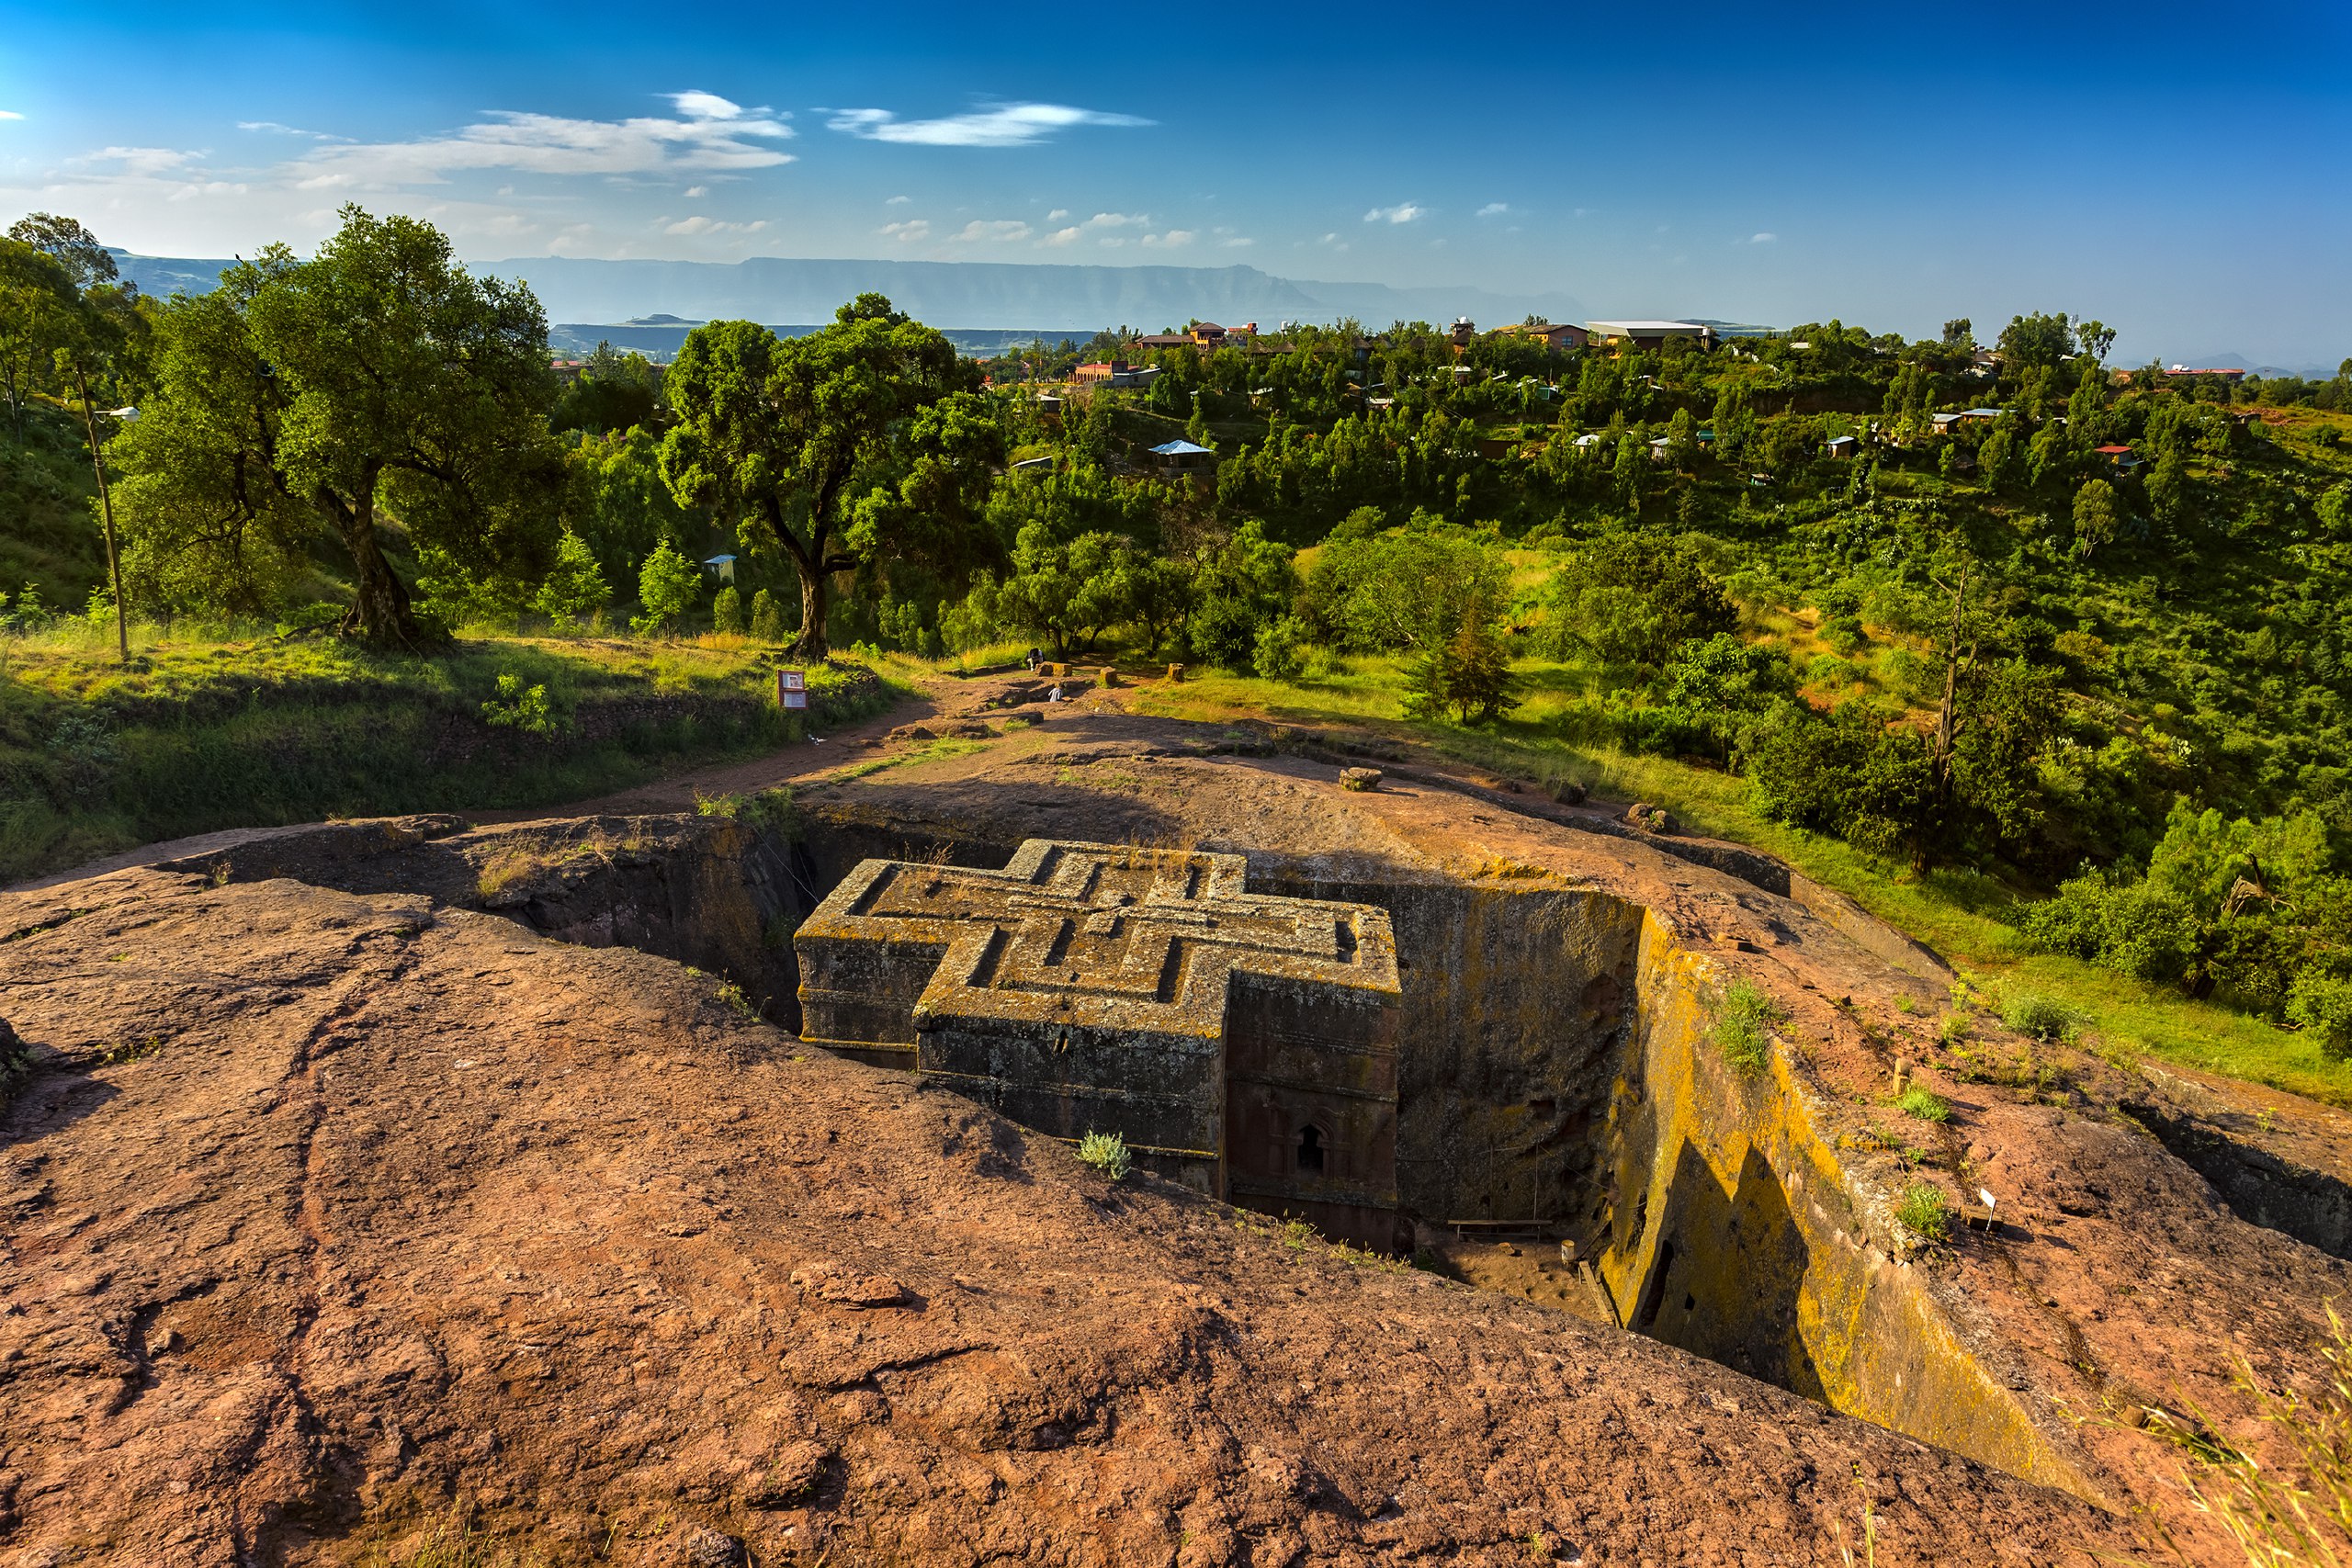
(271, 127)
(10, 114)
(701, 225)
(1057, 214)
(1117, 221)
(1062, 236)
(999, 230)
(1765, 238)
(1171, 240)
(1238, 240)
(696, 105)
(143, 162)
(1003, 125)
(709, 134)
(1403, 212)
(898, 201)
(1494, 210)
(908, 232)
(696, 193)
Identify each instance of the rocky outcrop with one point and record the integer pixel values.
(331, 1213)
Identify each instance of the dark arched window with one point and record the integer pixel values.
(1310, 1147)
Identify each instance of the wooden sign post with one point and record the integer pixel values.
(792, 689)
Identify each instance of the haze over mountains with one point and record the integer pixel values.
(951, 294)
(985, 306)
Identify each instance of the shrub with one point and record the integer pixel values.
(1744, 1027)
(1467, 677)
(767, 617)
(1924, 1211)
(1276, 655)
(667, 585)
(2324, 1006)
(727, 610)
(1106, 1152)
(520, 708)
(574, 592)
(1926, 1105)
(2044, 1017)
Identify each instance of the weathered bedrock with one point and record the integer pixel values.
(1555, 1065)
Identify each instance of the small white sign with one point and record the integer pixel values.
(792, 688)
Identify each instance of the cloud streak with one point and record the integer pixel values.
(709, 134)
(1403, 212)
(1002, 125)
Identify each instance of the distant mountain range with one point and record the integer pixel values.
(1069, 301)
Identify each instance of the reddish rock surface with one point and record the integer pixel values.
(325, 1211)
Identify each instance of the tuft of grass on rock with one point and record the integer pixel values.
(1924, 1103)
(1924, 1211)
(1744, 1027)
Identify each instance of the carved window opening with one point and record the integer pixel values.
(1310, 1147)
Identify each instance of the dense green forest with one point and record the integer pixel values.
(1998, 608)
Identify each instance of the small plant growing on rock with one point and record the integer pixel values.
(1924, 1211)
(1106, 1152)
(1926, 1105)
(1953, 1029)
(1744, 1027)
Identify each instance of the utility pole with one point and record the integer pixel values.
(106, 509)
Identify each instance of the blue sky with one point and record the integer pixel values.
(2179, 172)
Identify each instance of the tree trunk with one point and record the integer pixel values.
(381, 612)
(105, 507)
(815, 597)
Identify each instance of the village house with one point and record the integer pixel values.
(1647, 336)
(1557, 336)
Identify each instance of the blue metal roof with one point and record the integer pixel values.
(1179, 449)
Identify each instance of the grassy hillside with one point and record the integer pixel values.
(198, 735)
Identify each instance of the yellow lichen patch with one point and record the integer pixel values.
(1740, 1236)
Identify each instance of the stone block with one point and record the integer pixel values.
(1243, 1043)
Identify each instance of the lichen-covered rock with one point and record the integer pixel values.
(1359, 779)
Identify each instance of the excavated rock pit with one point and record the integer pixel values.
(1558, 1077)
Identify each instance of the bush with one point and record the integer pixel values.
(667, 585)
(520, 708)
(1276, 656)
(574, 594)
(1106, 1152)
(727, 610)
(1924, 1211)
(1744, 1027)
(2044, 1017)
(2322, 1004)
(767, 617)
(2131, 928)
(1632, 597)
